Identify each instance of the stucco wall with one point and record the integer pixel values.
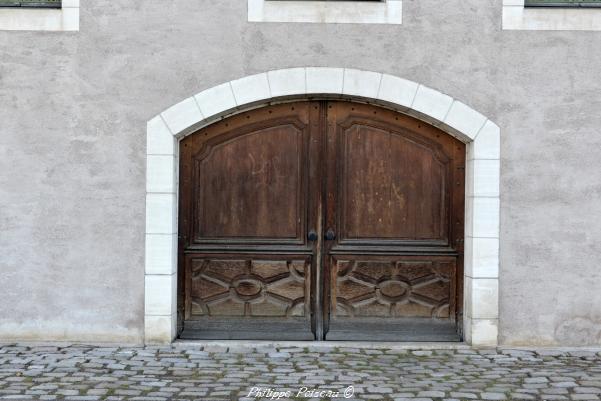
(73, 112)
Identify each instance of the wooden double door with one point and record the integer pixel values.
(321, 220)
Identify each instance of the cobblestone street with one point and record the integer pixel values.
(217, 372)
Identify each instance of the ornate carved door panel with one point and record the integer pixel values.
(317, 220)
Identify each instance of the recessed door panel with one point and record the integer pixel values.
(226, 286)
(242, 180)
(393, 185)
(392, 287)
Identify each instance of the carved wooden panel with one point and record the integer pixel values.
(393, 186)
(392, 287)
(247, 287)
(252, 186)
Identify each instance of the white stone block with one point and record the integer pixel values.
(160, 294)
(483, 177)
(161, 254)
(70, 19)
(469, 151)
(513, 17)
(24, 19)
(287, 82)
(250, 89)
(487, 144)
(484, 298)
(485, 218)
(467, 329)
(396, 90)
(464, 119)
(159, 140)
(482, 257)
(161, 213)
(182, 115)
(484, 332)
(467, 299)
(41, 19)
(432, 103)
(469, 176)
(159, 329)
(469, 215)
(361, 83)
(323, 80)
(216, 100)
(256, 10)
(160, 174)
(481, 299)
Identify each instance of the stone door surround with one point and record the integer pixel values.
(482, 137)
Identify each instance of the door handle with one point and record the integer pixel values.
(330, 235)
(312, 236)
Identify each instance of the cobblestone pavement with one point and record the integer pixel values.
(211, 372)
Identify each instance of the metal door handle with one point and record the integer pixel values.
(312, 236)
(330, 235)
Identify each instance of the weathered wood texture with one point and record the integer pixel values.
(383, 194)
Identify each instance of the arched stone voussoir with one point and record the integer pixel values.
(463, 119)
(183, 115)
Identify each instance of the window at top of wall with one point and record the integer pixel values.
(326, 11)
(31, 3)
(562, 3)
(39, 15)
(552, 15)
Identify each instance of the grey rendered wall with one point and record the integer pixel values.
(73, 112)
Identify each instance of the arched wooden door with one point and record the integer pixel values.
(321, 220)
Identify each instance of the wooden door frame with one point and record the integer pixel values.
(482, 138)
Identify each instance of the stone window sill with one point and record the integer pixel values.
(41, 19)
(518, 17)
(342, 12)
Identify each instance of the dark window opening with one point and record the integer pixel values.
(562, 3)
(31, 3)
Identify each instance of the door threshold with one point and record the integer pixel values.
(413, 345)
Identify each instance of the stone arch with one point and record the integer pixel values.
(482, 137)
